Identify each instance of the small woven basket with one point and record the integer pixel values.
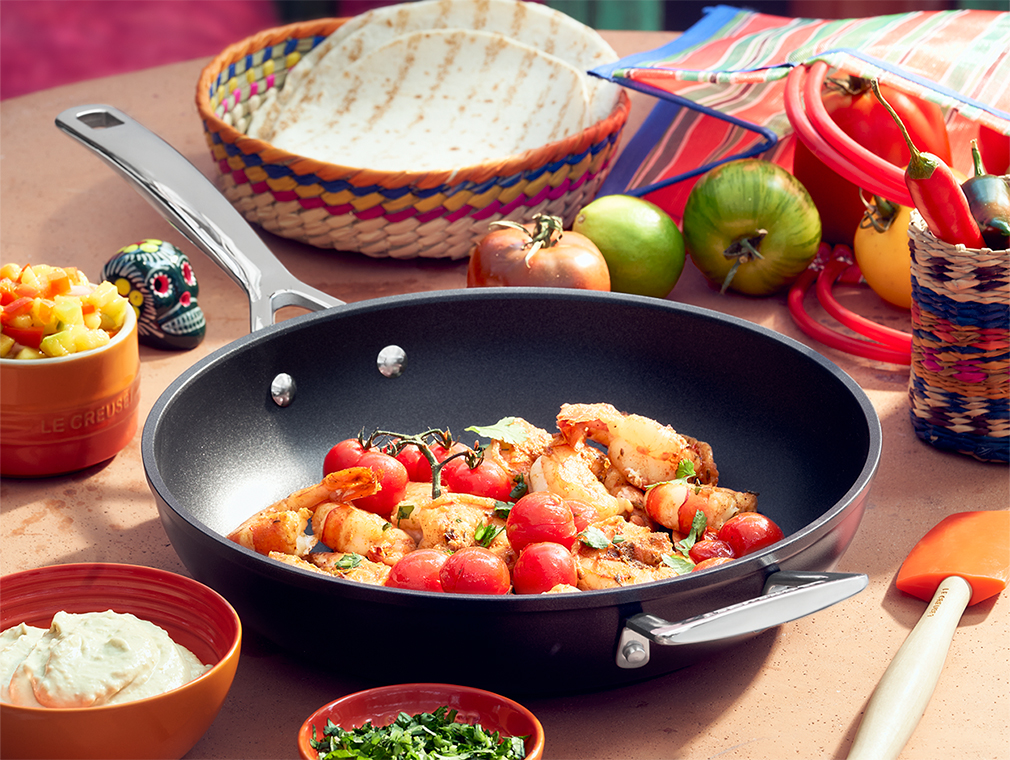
(960, 378)
(381, 214)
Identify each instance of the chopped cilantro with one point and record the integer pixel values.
(485, 534)
(424, 736)
(349, 561)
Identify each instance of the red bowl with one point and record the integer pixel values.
(163, 726)
(383, 704)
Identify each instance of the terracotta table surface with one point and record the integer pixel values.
(793, 692)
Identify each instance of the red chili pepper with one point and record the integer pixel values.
(936, 193)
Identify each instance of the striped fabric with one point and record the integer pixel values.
(720, 86)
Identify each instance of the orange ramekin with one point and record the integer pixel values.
(66, 413)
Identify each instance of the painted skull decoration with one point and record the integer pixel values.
(159, 282)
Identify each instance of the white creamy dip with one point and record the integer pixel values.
(91, 659)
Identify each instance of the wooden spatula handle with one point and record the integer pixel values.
(904, 690)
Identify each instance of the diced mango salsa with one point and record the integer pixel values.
(55, 311)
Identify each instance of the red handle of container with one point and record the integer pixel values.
(831, 145)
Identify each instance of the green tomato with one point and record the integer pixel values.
(750, 226)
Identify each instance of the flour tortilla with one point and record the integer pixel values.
(530, 23)
(435, 100)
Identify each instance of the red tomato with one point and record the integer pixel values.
(540, 516)
(30, 337)
(345, 454)
(418, 570)
(584, 514)
(695, 501)
(708, 548)
(858, 113)
(564, 259)
(749, 531)
(418, 468)
(543, 566)
(393, 478)
(475, 570)
(441, 453)
(486, 479)
(711, 562)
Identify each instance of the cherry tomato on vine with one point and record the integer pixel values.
(539, 254)
(343, 455)
(412, 458)
(393, 478)
(418, 570)
(853, 107)
(475, 570)
(486, 479)
(540, 516)
(542, 566)
(747, 532)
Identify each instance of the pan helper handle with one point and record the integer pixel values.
(193, 205)
(788, 595)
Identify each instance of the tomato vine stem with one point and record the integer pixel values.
(742, 250)
(542, 236)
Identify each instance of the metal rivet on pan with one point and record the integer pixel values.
(635, 653)
(282, 389)
(391, 361)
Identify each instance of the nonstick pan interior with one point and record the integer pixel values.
(782, 421)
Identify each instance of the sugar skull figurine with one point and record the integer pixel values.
(159, 282)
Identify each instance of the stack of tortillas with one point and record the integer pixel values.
(440, 84)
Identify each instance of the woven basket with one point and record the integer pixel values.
(960, 379)
(380, 214)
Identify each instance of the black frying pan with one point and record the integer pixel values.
(251, 423)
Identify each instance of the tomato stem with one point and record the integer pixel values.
(743, 249)
(542, 236)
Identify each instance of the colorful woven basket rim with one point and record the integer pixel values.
(242, 52)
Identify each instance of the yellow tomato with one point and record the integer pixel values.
(884, 258)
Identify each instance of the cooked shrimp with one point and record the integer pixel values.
(452, 520)
(405, 514)
(568, 472)
(346, 528)
(276, 531)
(517, 458)
(644, 451)
(341, 485)
(281, 526)
(351, 566)
(636, 558)
(290, 559)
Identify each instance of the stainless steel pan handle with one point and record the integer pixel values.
(787, 595)
(194, 206)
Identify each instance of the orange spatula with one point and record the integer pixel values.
(963, 560)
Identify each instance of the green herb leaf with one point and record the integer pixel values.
(348, 561)
(502, 509)
(685, 469)
(520, 489)
(683, 565)
(594, 538)
(507, 430)
(485, 534)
